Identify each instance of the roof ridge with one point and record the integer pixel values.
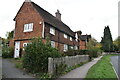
(54, 21)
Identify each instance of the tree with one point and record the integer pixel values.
(10, 35)
(107, 42)
(92, 43)
(117, 43)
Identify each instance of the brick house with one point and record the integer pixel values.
(33, 21)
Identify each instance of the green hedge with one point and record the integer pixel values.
(36, 55)
(92, 52)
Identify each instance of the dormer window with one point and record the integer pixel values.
(52, 30)
(65, 36)
(70, 38)
(28, 27)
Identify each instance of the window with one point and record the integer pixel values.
(71, 47)
(65, 47)
(76, 47)
(65, 36)
(53, 44)
(70, 38)
(52, 30)
(28, 27)
(76, 35)
(25, 44)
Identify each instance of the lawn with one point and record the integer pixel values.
(103, 69)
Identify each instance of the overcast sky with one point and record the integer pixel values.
(89, 16)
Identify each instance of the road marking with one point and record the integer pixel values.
(115, 71)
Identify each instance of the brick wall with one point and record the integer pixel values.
(59, 37)
(11, 43)
(82, 45)
(27, 14)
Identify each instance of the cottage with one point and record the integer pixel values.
(33, 21)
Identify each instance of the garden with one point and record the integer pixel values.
(35, 59)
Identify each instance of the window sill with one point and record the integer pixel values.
(52, 34)
(27, 31)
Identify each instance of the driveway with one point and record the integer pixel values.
(114, 61)
(10, 71)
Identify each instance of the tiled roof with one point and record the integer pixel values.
(50, 19)
(84, 37)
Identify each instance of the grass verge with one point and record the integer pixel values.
(18, 64)
(103, 69)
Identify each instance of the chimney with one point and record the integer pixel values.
(27, 0)
(58, 15)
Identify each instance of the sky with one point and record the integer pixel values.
(89, 16)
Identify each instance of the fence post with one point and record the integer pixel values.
(50, 66)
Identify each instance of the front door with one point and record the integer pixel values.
(17, 49)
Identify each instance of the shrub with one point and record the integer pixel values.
(36, 55)
(93, 53)
(7, 52)
(60, 69)
(71, 53)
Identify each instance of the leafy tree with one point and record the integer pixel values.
(92, 43)
(107, 42)
(117, 43)
(9, 35)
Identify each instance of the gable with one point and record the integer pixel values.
(46, 16)
(26, 9)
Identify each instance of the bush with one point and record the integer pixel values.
(93, 53)
(60, 68)
(36, 55)
(7, 52)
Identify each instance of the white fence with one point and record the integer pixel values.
(68, 60)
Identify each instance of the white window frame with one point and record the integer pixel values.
(76, 35)
(65, 47)
(25, 44)
(52, 30)
(70, 38)
(53, 44)
(65, 36)
(71, 47)
(76, 47)
(28, 27)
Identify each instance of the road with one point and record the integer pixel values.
(10, 71)
(0, 68)
(115, 61)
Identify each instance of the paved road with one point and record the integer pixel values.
(9, 71)
(114, 61)
(81, 71)
(0, 68)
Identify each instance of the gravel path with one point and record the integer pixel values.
(10, 71)
(81, 71)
